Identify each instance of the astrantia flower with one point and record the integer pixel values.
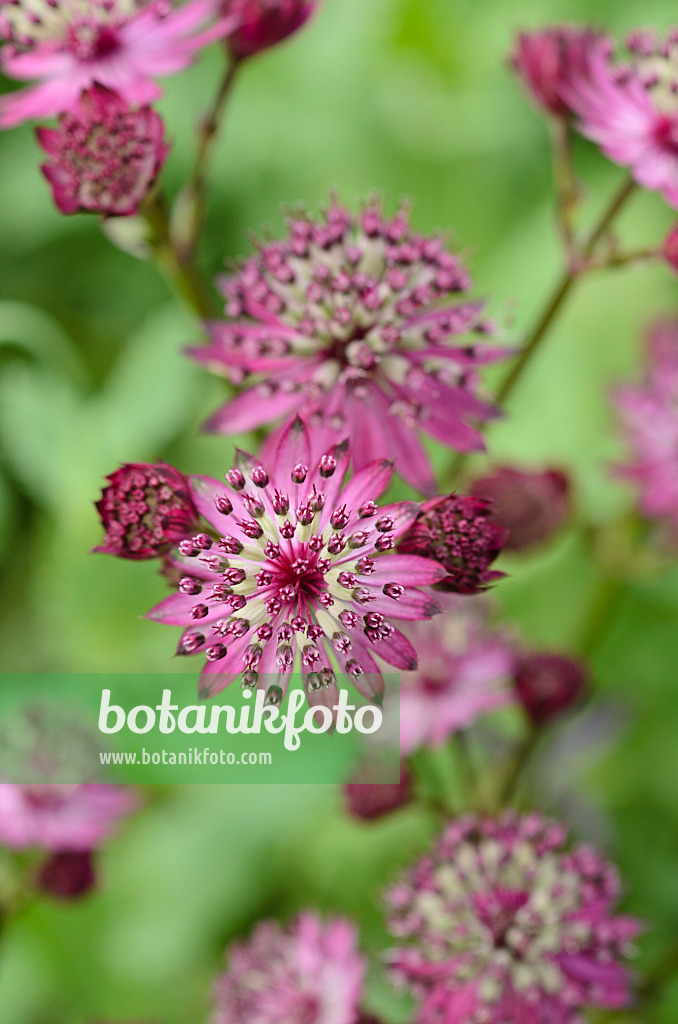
(145, 510)
(548, 684)
(68, 46)
(353, 324)
(105, 156)
(308, 973)
(649, 413)
(371, 800)
(265, 23)
(548, 60)
(301, 569)
(532, 506)
(464, 672)
(61, 817)
(458, 532)
(502, 924)
(67, 875)
(630, 108)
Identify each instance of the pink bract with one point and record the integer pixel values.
(502, 923)
(355, 324)
(308, 973)
(61, 818)
(104, 156)
(464, 672)
(302, 568)
(123, 45)
(629, 107)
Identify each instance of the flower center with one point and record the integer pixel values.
(90, 41)
(497, 910)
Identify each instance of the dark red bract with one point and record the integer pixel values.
(371, 800)
(265, 23)
(548, 684)
(67, 875)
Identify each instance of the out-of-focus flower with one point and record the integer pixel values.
(547, 60)
(123, 45)
(61, 818)
(265, 23)
(303, 568)
(308, 973)
(371, 800)
(670, 249)
(104, 156)
(464, 672)
(532, 506)
(629, 107)
(352, 323)
(458, 532)
(649, 413)
(548, 684)
(501, 923)
(67, 876)
(145, 510)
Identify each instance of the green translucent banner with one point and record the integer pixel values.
(59, 728)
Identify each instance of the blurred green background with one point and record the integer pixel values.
(412, 98)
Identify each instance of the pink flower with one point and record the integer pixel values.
(464, 672)
(308, 973)
(458, 532)
(350, 322)
(105, 156)
(548, 60)
(532, 506)
(501, 923)
(630, 109)
(265, 23)
(61, 818)
(649, 413)
(145, 510)
(123, 45)
(548, 684)
(302, 567)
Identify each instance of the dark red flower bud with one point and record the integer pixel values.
(145, 510)
(531, 506)
(67, 876)
(265, 23)
(548, 684)
(458, 532)
(550, 60)
(370, 800)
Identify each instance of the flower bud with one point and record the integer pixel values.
(549, 60)
(371, 800)
(548, 684)
(265, 23)
(67, 875)
(531, 506)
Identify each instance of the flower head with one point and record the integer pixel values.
(548, 684)
(300, 567)
(104, 156)
(145, 510)
(265, 23)
(629, 108)
(67, 875)
(61, 817)
(68, 46)
(549, 59)
(308, 973)
(532, 506)
(501, 923)
(353, 323)
(649, 413)
(458, 532)
(464, 672)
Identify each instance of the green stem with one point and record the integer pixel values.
(181, 271)
(607, 602)
(565, 186)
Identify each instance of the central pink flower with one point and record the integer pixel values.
(299, 568)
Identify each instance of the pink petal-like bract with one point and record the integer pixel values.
(502, 922)
(61, 818)
(299, 567)
(629, 107)
(359, 325)
(104, 155)
(308, 973)
(547, 61)
(65, 47)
